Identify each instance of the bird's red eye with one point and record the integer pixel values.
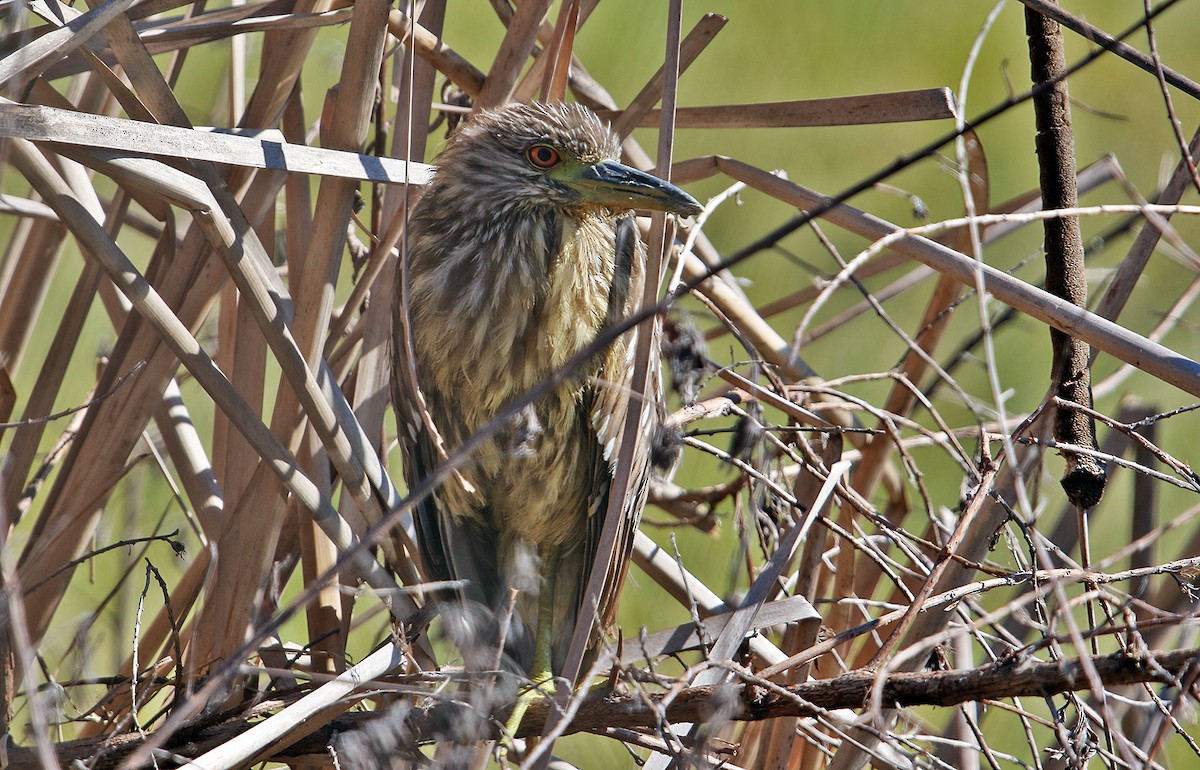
(543, 156)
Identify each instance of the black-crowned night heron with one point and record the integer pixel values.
(516, 260)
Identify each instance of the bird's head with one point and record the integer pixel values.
(541, 156)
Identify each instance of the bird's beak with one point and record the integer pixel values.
(618, 186)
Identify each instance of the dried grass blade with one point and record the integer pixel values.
(30, 59)
(283, 57)
(32, 259)
(308, 714)
(96, 457)
(1131, 267)
(23, 449)
(200, 29)
(429, 46)
(900, 107)
(734, 633)
(514, 51)
(781, 747)
(323, 402)
(690, 592)
(1098, 173)
(901, 400)
(24, 207)
(688, 636)
(36, 123)
(313, 281)
(241, 352)
(554, 82)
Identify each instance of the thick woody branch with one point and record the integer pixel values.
(745, 701)
(1065, 278)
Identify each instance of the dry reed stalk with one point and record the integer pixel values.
(901, 107)
(510, 58)
(551, 53)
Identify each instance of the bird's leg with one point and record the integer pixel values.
(541, 674)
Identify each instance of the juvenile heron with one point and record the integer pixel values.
(516, 261)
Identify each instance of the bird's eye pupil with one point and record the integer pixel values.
(542, 156)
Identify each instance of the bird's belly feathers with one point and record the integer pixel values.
(535, 478)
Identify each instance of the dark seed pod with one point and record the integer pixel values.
(685, 351)
(748, 433)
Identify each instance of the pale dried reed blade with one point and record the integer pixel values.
(302, 717)
(24, 446)
(314, 269)
(741, 313)
(234, 585)
(24, 207)
(152, 307)
(514, 52)
(689, 636)
(51, 125)
(560, 52)
(1176, 314)
(780, 746)
(902, 107)
(686, 589)
(29, 60)
(764, 583)
(318, 556)
(261, 289)
(1090, 177)
(70, 511)
(244, 552)
(313, 272)
(31, 260)
(431, 48)
(242, 352)
(534, 78)
(183, 35)
(191, 462)
(283, 55)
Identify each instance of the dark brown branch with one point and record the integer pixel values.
(744, 702)
(1070, 376)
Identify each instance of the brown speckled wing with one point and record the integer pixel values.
(452, 548)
